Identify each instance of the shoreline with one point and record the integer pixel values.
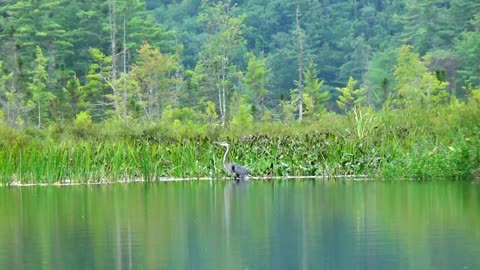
(181, 179)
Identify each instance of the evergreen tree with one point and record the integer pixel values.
(313, 91)
(73, 98)
(13, 103)
(426, 24)
(349, 96)
(100, 83)
(41, 97)
(379, 78)
(467, 47)
(256, 81)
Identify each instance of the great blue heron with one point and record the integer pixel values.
(238, 171)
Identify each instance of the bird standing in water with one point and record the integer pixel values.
(237, 171)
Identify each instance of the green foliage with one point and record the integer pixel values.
(314, 98)
(426, 25)
(41, 97)
(467, 47)
(402, 144)
(14, 103)
(132, 61)
(211, 113)
(408, 74)
(256, 81)
(75, 97)
(416, 86)
(287, 109)
(216, 57)
(83, 125)
(379, 78)
(182, 122)
(127, 97)
(154, 73)
(98, 78)
(473, 94)
(188, 67)
(350, 97)
(242, 119)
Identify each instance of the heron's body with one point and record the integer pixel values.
(237, 171)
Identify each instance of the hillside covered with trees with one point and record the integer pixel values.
(221, 62)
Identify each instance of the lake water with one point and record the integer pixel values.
(259, 225)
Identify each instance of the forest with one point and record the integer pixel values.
(231, 61)
(173, 68)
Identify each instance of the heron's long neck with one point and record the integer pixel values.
(226, 155)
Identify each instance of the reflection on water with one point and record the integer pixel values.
(255, 225)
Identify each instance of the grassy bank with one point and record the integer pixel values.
(421, 144)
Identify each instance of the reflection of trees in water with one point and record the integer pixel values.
(225, 225)
(230, 189)
(232, 192)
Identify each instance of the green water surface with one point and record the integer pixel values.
(292, 224)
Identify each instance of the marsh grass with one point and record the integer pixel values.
(415, 143)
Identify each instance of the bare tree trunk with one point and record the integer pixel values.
(221, 93)
(39, 125)
(124, 51)
(113, 39)
(300, 62)
(220, 107)
(224, 108)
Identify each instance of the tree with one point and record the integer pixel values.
(415, 84)
(102, 78)
(100, 81)
(473, 94)
(13, 103)
(426, 24)
(242, 118)
(211, 114)
(313, 100)
(349, 96)
(467, 47)
(357, 58)
(41, 97)
(127, 98)
(379, 78)
(313, 91)
(74, 98)
(300, 38)
(225, 38)
(113, 29)
(155, 72)
(256, 81)
(35, 23)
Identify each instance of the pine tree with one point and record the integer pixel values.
(349, 96)
(313, 91)
(13, 102)
(41, 97)
(467, 48)
(74, 98)
(256, 81)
